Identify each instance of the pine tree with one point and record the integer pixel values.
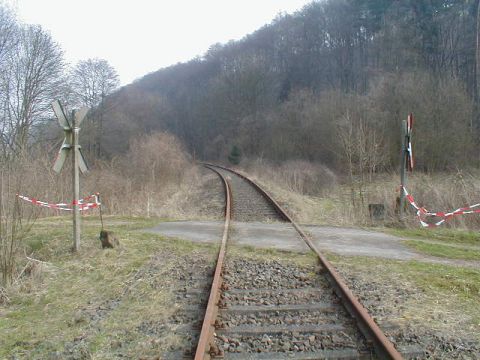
(235, 155)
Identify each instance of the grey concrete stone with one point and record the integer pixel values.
(349, 241)
(283, 236)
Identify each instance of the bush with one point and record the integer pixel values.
(139, 183)
(299, 176)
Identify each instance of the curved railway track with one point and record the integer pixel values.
(272, 311)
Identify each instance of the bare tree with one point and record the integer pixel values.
(362, 150)
(92, 80)
(31, 78)
(15, 223)
(8, 33)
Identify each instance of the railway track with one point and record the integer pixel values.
(272, 311)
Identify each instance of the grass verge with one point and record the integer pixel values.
(92, 304)
(440, 234)
(443, 251)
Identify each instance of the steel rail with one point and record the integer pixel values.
(208, 326)
(383, 347)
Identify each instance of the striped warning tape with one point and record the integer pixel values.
(89, 202)
(422, 213)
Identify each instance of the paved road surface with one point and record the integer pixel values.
(343, 241)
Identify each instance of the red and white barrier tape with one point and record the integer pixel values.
(83, 204)
(422, 212)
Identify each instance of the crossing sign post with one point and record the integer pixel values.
(71, 145)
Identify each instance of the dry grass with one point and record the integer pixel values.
(328, 201)
(295, 175)
(151, 179)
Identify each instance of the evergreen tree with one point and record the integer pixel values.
(235, 155)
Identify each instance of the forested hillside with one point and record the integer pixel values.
(330, 83)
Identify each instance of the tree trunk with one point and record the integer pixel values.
(476, 107)
(477, 56)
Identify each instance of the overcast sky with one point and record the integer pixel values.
(141, 36)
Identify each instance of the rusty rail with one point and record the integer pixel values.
(383, 347)
(208, 326)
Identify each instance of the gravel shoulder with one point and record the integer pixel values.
(435, 306)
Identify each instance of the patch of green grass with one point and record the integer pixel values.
(52, 237)
(443, 251)
(440, 234)
(452, 280)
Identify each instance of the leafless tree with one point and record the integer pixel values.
(15, 223)
(92, 80)
(361, 150)
(31, 77)
(8, 33)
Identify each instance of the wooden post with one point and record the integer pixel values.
(76, 185)
(403, 169)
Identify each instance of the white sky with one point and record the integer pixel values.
(141, 36)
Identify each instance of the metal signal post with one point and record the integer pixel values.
(403, 170)
(76, 185)
(71, 129)
(406, 161)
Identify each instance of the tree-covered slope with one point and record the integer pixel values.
(308, 84)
